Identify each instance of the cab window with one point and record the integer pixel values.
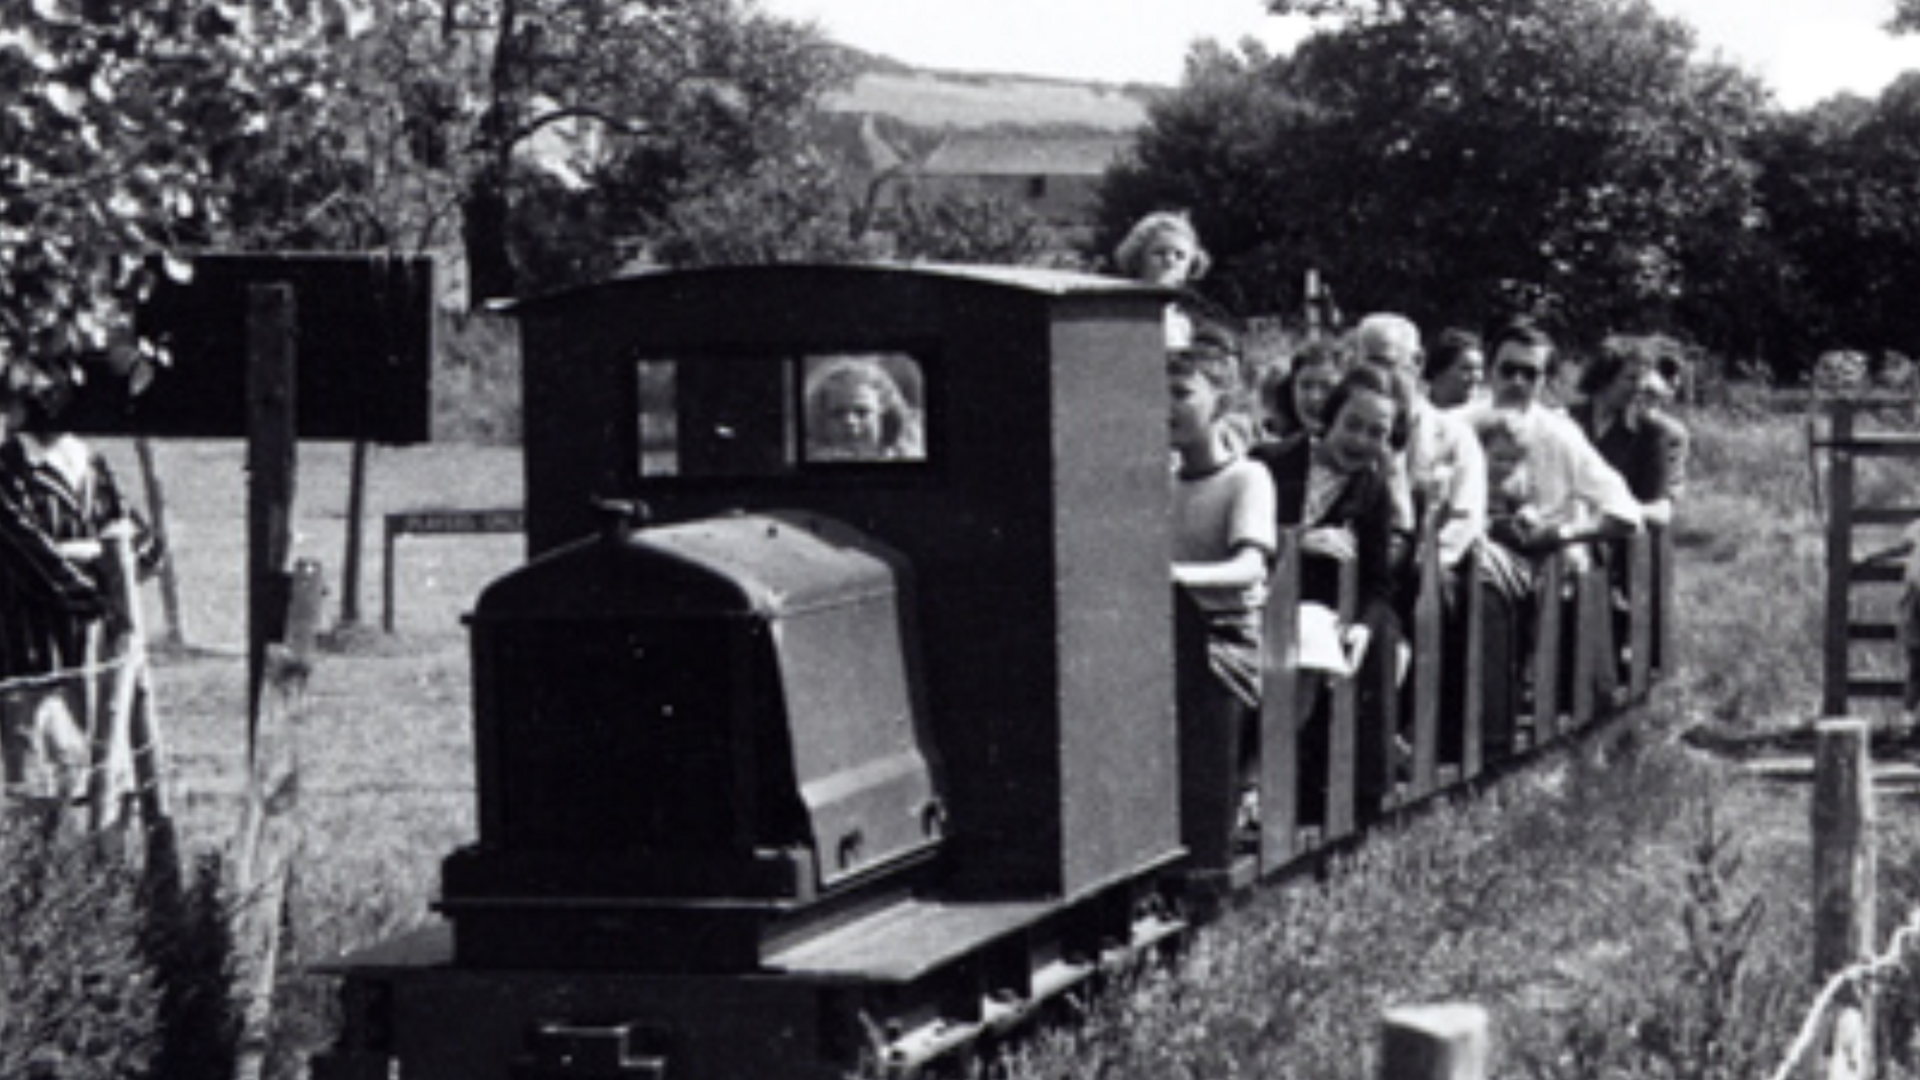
(721, 416)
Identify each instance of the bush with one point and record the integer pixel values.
(476, 379)
(76, 987)
(107, 971)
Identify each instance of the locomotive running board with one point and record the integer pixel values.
(902, 1054)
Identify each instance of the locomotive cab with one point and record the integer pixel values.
(709, 724)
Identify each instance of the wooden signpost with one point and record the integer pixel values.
(438, 523)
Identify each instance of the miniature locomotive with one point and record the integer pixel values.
(792, 760)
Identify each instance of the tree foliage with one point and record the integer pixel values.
(113, 121)
(1844, 216)
(972, 225)
(654, 102)
(143, 126)
(780, 211)
(1455, 158)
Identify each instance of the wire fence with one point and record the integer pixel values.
(77, 773)
(1850, 984)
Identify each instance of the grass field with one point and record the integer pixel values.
(1593, 904)
(384, 743)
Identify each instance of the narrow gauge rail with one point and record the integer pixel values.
(789, 764)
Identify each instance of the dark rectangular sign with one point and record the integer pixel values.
(363, 343)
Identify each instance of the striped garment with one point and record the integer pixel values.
(50, 492)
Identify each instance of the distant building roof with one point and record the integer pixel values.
(988, 154)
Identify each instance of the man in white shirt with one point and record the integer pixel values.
(1575, 495)
(1570, 495)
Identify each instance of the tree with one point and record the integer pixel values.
(781, 211)
(659, 101)
(372, 163)
(973, 225)
(1453, 158)
(106, 150)
(1838, 192)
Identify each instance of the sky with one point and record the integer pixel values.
(1805, 50)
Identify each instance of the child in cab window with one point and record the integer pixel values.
(857, 412)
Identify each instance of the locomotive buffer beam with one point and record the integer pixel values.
(563, 1051)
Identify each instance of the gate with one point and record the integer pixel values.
(1847, 446)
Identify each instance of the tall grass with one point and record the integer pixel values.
(1597, 908)
(1750, 585)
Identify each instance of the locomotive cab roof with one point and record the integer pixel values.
(1035, 279)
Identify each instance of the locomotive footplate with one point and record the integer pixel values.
(896, 988)
(589, 932)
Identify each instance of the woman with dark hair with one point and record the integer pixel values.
(1456, 368)
(1621, 390)
(1332, 486)
(1295, 402)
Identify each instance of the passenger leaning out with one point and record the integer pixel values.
(1621, 412)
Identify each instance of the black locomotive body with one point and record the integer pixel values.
(787, 759)
(828, 755)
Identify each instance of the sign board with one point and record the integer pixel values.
(439, 523)
(364, 345)
(444, 522)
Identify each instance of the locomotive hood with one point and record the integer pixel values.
(765, 566)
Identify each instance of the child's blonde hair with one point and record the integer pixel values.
(899, 420)
(1133, 249)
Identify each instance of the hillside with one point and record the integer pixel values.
(929, 99)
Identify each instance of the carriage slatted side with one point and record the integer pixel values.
(1576, 638)
(1429, 658)
(1279, 691)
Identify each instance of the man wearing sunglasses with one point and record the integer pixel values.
(1576, 495)
(1570, 494)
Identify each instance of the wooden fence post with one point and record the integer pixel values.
(1843, 868)
(1434, 1042)
(1835, 657)
(127, 731)
(356, 528)
(271, 474)
(269, 835)
(176, 633)
(1280, 709)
